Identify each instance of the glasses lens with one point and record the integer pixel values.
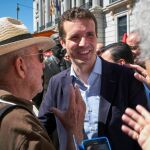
(41, 56)
(133, 47)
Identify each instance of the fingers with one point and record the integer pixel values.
(141, 71)
(57, 113)
(135, 116)
(79, 100)
(144, 77)
(138, 125)
(135, 121)
(72, 99)
(132, 123)
(146, 115)
(140, 77)
(130, 132)
(141, 74)
(137, 68)
(72, 118)
(77, 94)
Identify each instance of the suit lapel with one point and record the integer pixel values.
(108, 86)
(66, 81)
(108, 81)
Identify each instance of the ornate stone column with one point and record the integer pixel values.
(66, 5)
(40, 13)
(95, 3)
(98, 12)
(47, 12)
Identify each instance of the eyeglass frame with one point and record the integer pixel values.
(134, 47)
(40, 54)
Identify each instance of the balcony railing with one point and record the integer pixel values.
(42, 28)
(49, 24)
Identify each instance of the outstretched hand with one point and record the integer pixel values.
(137, 125)
(73, 118)
(141, 74)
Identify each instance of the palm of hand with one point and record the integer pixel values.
(144, 137)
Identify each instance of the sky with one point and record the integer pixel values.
(8, 9)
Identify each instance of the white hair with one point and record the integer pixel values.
(141, 12)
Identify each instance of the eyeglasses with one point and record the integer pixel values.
(40, 55)
(134, 47)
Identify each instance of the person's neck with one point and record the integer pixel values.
(83, 71)
(15, 90)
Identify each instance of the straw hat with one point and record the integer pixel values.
(14, 35)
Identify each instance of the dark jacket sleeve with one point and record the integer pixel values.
(45, 116)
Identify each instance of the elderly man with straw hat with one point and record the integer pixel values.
(21, 71)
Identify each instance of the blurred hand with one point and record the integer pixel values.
(137, 125)
(73, 118)
(141, 74)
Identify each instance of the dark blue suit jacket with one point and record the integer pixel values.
(119, 89)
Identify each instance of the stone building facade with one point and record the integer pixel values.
(114, 17)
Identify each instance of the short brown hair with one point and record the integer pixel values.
(72, 14)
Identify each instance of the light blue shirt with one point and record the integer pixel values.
(91, 95)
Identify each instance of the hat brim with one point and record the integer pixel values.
(43, 43)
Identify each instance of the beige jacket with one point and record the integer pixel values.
(20, 129)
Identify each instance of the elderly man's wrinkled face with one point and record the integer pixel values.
(35, 66)
(133, 41)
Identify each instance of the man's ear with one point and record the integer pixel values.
(21, 67)
(62, 42)
(121, 62)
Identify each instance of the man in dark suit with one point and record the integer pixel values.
(106, 88)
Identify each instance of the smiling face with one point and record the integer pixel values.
(80, 41)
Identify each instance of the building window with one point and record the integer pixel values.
(90, 3)
(37, 6)
(37, 26)
(121, 26)
(87, 5)
(111, 1)
(43, 12)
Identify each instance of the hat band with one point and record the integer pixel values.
(16, 38)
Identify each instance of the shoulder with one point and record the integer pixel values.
(117, 69)
(62, 74)
(20, 117)
(20, 125)
(59, 81)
